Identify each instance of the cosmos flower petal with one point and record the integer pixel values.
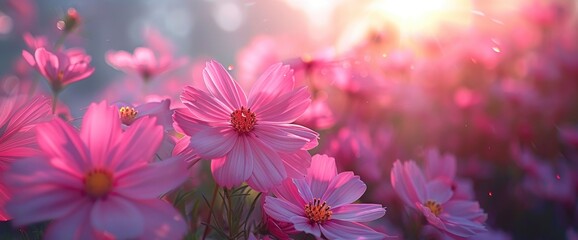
(111, 216)
(296, 163)
(304, 190)
(100, 132)
(236, 166)
(268, 168)
(337, 229)
(320, 174)
(205, 107)
(223, 87)
(285, 108)
(75, 225)
(58, 139)
(155, 211)
(465, 209)
(462, 227)
(439, 191)
(47, 202)
(214, 142)
(281, 210)
(343, 189)
(409, 191)
(185, 122)
(143, 183)
(287, 137)
(275, 81)
(302, 224)
(358, 212)
(289, 192)
(143, 132)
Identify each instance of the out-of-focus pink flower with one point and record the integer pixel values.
(319, 115)
(129, 113)
(60, 68)
(322, 203)
(457, 218)
(35, 42)
(144, 62)
(248, 138)
(444, 167)
(17, 139)
(98, 181)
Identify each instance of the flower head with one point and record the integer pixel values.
(433, 198)
(248, 138)
(144, 62)
(17, 139)
(322, 203)
(60, 68)
(98, 181)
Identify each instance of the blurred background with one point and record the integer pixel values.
(492, 83)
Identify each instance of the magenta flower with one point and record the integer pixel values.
(143, 62)
(97, 182)
(60, 68)
(248, 139)
(457, 218)
(322, 203)
(17, 139)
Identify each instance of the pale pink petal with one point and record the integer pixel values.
(42, 57)
(296, 163)
(151, 181)
(42, 172)
(440, 166)
(140, 141)
(223, 87)
(161, 220)
(464, 209)
(289, 192)
(183, 150)
(29, 58)
(186, 123)
(358, 212)
(45, 203)
(462, 227)
(320, 174)
(120, 60)
(410, 190)
(117, 216)
(75, 225)
(302, 224)
(275, 81)
(77, 72)
(60, 140)
(205, 107)
(268, 168)
(336, 229)
(144, 58)
(281, 210)
(304, 190)
(285, 108)
(32, 111)
(158, 109)
(439, 191)
(214, 142)
(100, 132)
(431, 217)
(343, 189)
(284, 139)
(236, 166)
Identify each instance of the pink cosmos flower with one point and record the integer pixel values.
(97, 182)
(322, 203)
(144, 62)
(60, 68)
(443, 167)
(17, 139)
(457, 218)
(248, 139)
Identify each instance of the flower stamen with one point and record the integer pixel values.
(434, 207)
(98, 183)
(243, 120)
(127, 114)
(318, 212)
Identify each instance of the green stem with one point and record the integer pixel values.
(230, 213)
(54, 100)
(207, 226)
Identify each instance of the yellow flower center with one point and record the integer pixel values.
(127, 115)
(98, 183)
(434, 207)
(318, 212)
(243, 120)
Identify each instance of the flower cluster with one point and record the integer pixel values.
(459, 118)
